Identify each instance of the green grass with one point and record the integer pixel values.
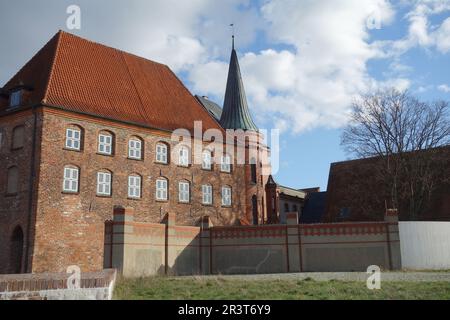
(162, 288)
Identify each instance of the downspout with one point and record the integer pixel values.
(30, 190)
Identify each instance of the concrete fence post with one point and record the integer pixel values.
(393, 239)
(293, 246)
(122, 233)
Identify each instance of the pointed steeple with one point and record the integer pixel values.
(235, 113)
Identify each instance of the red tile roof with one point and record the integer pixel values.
(83, 76)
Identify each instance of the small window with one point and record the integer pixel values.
(286, 207)
(253, 170)
(206, 160)
(135, 149)
(71, 176)
(104, 183)
(105, 143)
(226, 196)
(13, 180)
(16, 98)
(183, 157)
(73, 139)
(207, 194)
(18, 137)
(161, 189)
(161, 153)
(225, 164)
(183, 192)
(134, 186)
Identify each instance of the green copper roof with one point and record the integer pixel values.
(235, 113)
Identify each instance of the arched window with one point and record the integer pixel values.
(134, 186)
(184, 191)
(106, 143)
(206, 160)
(226, 196)
(18, 137)
(225, 163)
(104, 180)
(16, 250)
(74, 136)
(13, 180)
(162, 152)
(135, 146)
(183, 156)
(161, 189)
(207, 194)
(71, 179)
(253, 170)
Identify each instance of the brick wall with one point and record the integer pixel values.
(70, 227)
(14, 209)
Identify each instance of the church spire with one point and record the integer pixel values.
(235, 113)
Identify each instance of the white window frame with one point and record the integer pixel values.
(207, 194)
(206, 160)
(184, 192)
(161, 153)
(134, 186)
(135, 149)
(71, 179)
(226, 196)
(72, 141)
(225, 163)
(183, 156)
(106, 145)
(161, 189)
(104, 183)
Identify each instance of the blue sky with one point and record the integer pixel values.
(302, 61)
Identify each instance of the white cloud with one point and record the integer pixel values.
(444, 88)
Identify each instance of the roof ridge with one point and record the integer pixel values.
(52, 67)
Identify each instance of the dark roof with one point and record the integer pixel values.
(314, 208)
(235, 109)
(213, 108)
(78, 75)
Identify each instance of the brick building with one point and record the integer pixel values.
(85, 128)
(356, 192)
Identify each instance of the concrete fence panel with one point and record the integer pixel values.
(425, 245)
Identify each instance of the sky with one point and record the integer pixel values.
(302, 61)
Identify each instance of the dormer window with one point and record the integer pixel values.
(16, 98)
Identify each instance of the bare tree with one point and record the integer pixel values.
(405, 135)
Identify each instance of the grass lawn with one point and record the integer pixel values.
(162, 288)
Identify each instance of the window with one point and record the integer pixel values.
(16, 98)
(161, 189)
(206, 160)
(253, 170)
(226, 196)
(105, 143)
(104, 183)
(134, 186)
(286, 207)
(207, 194)
(135, 149)
(161, 153)
(73, 139)
(18, 137)
(71, 176)
(183, 191)
(13, 180)
(183, 157)
(225, 164)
